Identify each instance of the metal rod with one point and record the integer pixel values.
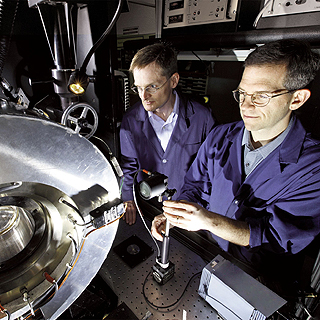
(165, 245)
(45, 31)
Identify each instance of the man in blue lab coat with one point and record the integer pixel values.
(255, 184)
(164, 131)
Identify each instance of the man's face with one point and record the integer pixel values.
(269, 121)
(151, 76)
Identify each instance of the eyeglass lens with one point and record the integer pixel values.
(259, 99)
(150, 89)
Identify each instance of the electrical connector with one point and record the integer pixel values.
(107, 213)
(163, 275)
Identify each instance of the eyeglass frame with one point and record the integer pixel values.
(273, 95)
(135, 89)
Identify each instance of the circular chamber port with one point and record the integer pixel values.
(16, 230)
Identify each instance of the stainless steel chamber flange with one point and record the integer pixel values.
(50, 259)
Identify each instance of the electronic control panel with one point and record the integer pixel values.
(285, 7)
(34, 3)
(181, 13)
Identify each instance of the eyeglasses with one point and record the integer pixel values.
(152, 89)
(259, 99)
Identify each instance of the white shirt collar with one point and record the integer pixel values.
(174, 112)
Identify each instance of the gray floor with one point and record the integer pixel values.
(127, 283)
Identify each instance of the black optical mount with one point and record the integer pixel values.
(156, 186)
(163, 270)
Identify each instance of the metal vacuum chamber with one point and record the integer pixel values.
(50, 179)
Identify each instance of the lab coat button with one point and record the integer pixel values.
(164, 160)
(236, 202)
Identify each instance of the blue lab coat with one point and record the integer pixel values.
(280, 199)
(141, 149)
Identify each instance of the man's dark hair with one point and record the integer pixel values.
(161, 53)
(301, 62)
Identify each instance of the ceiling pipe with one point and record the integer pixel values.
(244, 39)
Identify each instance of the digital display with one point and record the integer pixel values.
(176, 5)
(175, 19)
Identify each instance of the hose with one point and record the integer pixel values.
(8, 10)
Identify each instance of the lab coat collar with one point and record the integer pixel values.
(142, 115)
(290, 148)
(288, 152)
(147, 130)
(185, 112)
(185, 109)
(183, 122)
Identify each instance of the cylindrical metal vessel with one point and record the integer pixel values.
(16, 230)
(43, 162)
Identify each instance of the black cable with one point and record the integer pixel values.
(206, 67)
(185, 289)
(70, 205)
(139, 211)
(104, 35)
(172, 304)
(112, 159)
(8, 314)
(224, 306)
(76, 210)
(105, 144)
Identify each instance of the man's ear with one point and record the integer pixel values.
(299, 98)
(175, 80)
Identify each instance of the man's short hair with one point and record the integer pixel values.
(161, 53)
(302, 63)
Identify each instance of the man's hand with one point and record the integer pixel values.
(158, 226)
(191, 216)
(186, 215)
(179, 214)
(131, 212)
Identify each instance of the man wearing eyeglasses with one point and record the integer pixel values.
(164, 131)
(255, 184)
